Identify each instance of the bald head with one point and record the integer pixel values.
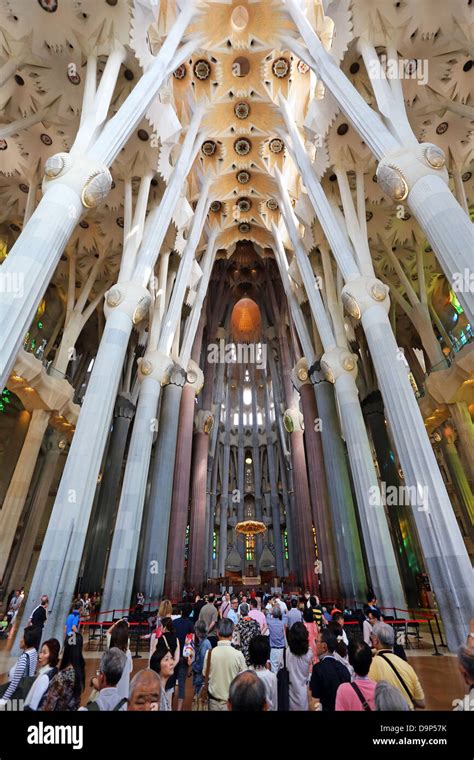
(247, 693)
(145, 691)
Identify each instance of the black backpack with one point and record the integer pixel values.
(283, 686)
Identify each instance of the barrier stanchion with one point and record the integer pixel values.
(443, 643)
(435, 653)
(137, 656)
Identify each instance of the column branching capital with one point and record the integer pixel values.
(132, 299)
(400, 169)
(362, 293)
(90, 179)
(204, 421)
(124, 407)
(155, 365)
(338, 362)
(194, 376)
(300, 374)
(293, 421)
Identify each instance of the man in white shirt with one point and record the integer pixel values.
(281, 603)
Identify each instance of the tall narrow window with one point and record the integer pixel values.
(249, 548)
(186, 547)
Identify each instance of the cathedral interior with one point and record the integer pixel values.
(236, 300)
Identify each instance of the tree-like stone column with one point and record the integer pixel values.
(318, 484)
(463, 489)
(444, 551)
(156, 528)
(274, 499)
(102, 527)
(416, 173)
(224, 494)
(462, 419)
(18, 489)
(197, 532)
(340, 368)
(37, 510)
(154, 372)
(174, 579)
(74, 184)
(302, 515)
(60, 558)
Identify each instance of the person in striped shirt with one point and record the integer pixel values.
(25, 665)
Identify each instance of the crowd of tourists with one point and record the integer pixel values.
(246, 653)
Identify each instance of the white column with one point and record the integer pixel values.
(405, 172)
(443, 548)
(420, 177)
(123, 553)
(37, 509)
(340, 368)
(365, 120)
(154, 371)
(171, 320)
(59, 561)
(224, 499)
(15, 497)
(75, 184)
(159, 218)
(462, 419)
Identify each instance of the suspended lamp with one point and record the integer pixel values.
(250, 527)
(246, 321)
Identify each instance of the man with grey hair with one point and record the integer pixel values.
(225, 663)
(247, 693)
(145, 692)
(388, 699)
(276, 633)
(387, 666)
(109, 674)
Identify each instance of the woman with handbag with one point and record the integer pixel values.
(165, 610)
(23, 669)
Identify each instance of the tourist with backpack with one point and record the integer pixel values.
(110, 671)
